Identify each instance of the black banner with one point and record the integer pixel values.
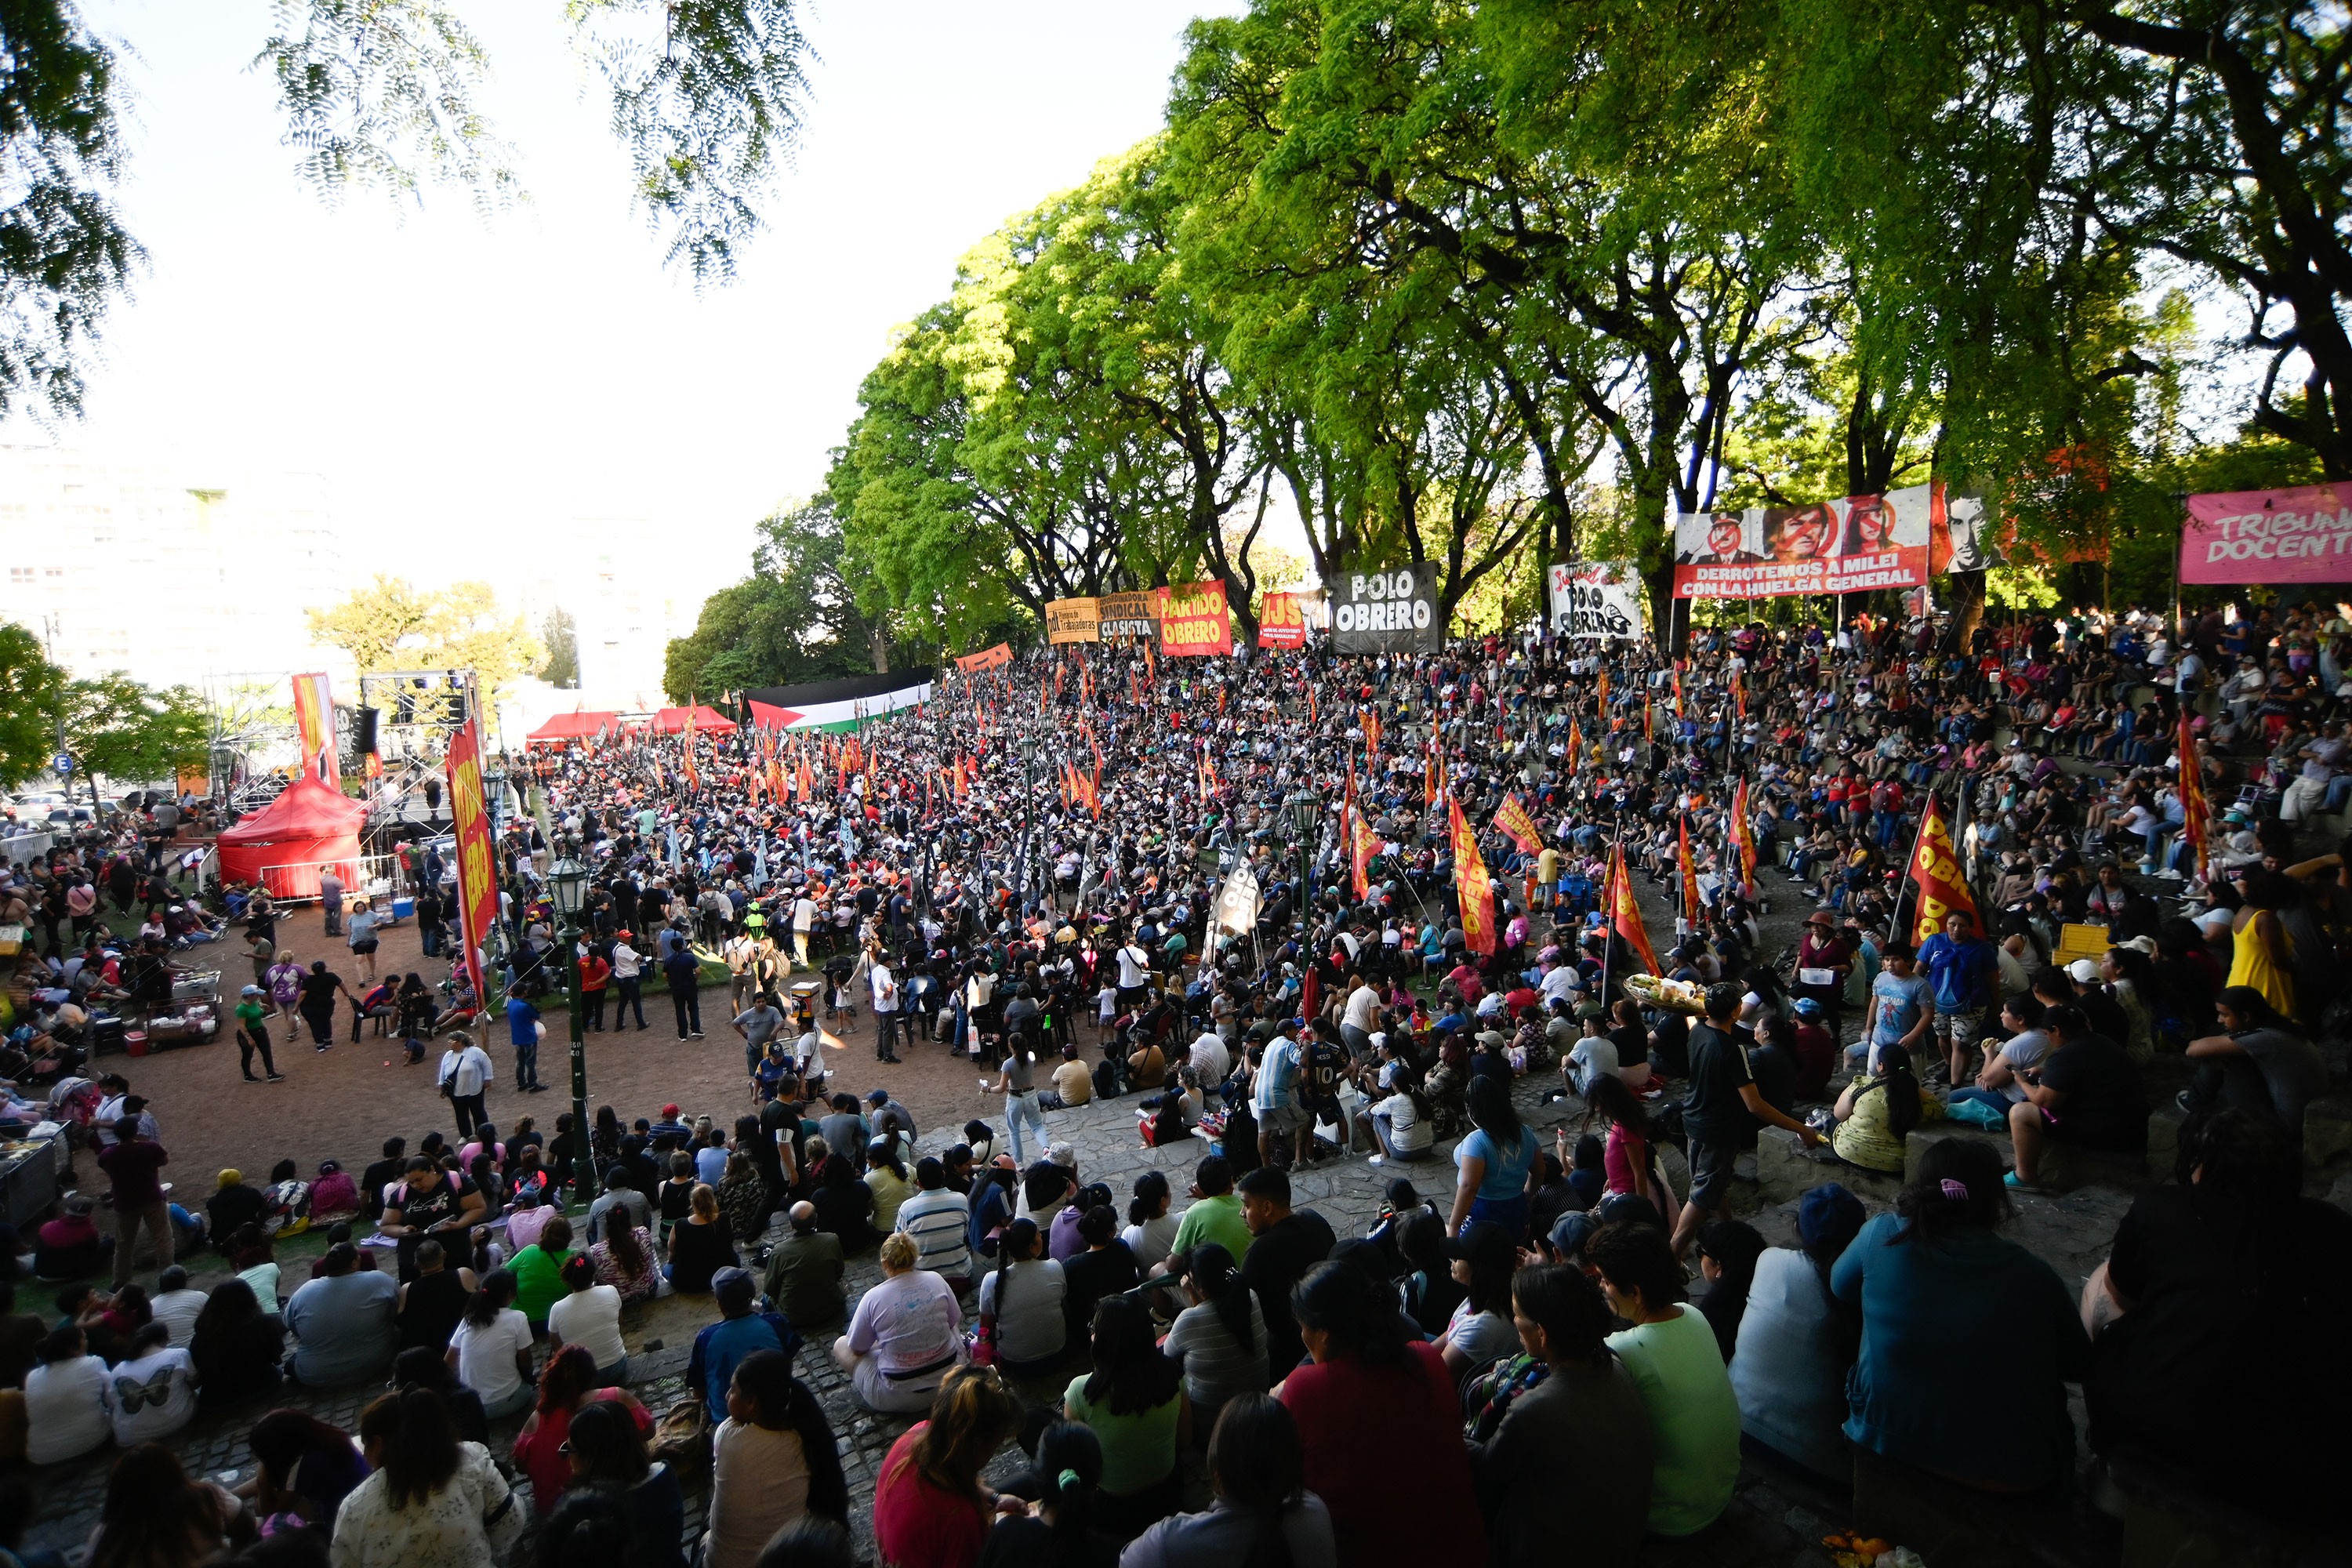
(1387, 612)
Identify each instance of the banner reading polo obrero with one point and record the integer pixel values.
(1596, 599)
(477, 889)
(1387, 612)
(1195, 619)
(1073, 620)
(1283, 622)
(314, 723)
(2301, 535)
(1846, 546)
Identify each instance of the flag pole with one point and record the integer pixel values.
(1895, 916)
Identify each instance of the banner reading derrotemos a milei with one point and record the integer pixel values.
(1394, 611)
(1596, 599)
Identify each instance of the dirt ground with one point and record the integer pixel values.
(344, 1103)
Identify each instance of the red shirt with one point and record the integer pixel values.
(1413, 1405)
(918, 1525)
(132, 1167)
(594, 972)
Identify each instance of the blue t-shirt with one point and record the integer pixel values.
(521, 1021)
(1959, 974)
(1507, 1173)
(1900, 1003)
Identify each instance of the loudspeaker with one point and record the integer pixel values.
(363, 724)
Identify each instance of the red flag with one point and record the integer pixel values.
(1678, 673)
(1361, 845)
(1372, 732)
(1575, 747)
(1743, 831)
(1471, 887)
(1625, 911)
(1689, 870)
(1513, 819)
(1936, 872)
(2196, 816)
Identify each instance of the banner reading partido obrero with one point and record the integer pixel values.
(2301, 535)
(477, 889)
(1195, 619)
(1387, 612)
(1847, 546)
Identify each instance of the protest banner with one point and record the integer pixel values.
(986, 659)
(1195, 619)
(1596, 599)
(1847, 546)
(470, 818)
(2300, 535)
(314, 723)
(1387, 612)
(1129, 618)
(1073, 620)
(1283, 622)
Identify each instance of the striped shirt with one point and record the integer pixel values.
(936, 1221)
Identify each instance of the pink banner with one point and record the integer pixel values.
(2302, 535)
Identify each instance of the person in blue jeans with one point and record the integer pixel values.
(523, 1027)
(1494, 1163)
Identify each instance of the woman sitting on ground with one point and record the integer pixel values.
(1134, 1399)
(608, 1455)
(624, 1259)
(1671, 1356)
(700, 1244)
(903, 1339)
(1727, 1250)
(1797, 1340)
(1937, 1289)
(302, 1467)
(1874, 1115)
(430, 1498)
(156, 1514)
(1262, 1510)
(1220, 1339)
(236, 1345)
(542, 1449)
(930, 1507)
(776, 1462)
(1062, 1530)
(1020, 1302)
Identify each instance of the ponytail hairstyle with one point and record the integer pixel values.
(1210, 1269)
(494, 1295)
(1151, 1196)
(1019, 1244)
(1070, 1459)
(1960, 1185)
(1901, 1088)
(1608, 1097)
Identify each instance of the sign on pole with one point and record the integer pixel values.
(478, 881)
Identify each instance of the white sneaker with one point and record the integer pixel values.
(1376, 1160)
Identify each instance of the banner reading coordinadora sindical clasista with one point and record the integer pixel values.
(1394, 611)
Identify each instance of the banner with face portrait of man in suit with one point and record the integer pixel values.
(1846, 546)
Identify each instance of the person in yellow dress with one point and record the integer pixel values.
(2263, 955)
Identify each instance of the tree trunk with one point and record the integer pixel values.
(881, 649)
(1968, 606)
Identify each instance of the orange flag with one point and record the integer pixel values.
(1936, 872)
(1625, 911)
(2196, 816)
(1475, 893)
(1689, 870)
(1362, 844)
(1575, 747)
(1743, 831)
(1372, 732)
(1513, 819)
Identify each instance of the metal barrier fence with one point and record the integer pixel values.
(364, 877)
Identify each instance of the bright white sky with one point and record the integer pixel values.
(467, 383)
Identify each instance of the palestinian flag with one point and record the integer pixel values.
(838, 706)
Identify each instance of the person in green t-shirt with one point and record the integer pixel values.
(539, 1271)
(1216, 1214)
(252, 1034)
(1671, 1354)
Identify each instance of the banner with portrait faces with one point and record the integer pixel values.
(1847, 546)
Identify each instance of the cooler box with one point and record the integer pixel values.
(135, 1042)
(402, 908)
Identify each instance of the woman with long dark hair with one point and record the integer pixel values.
(566, 1387)
(1727, 1250)
(1628, 1159)
(1875, 1115)
(1494, 1163)
(1021, 1303)
(1219, 1340)
(608, 1455)
(490, 1351)
(431, 1499)
(1262, 1516)
(1134, 1399)
(1363, 1376)
(156, 1516)
(236, 1345)
(775, 1461)
(1939, 1288)
(303, 1465)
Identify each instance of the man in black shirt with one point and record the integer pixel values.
(1284, 1245)
(1723, 1103)
(2087, 1092)
(380, 1175)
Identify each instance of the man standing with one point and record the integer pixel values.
(1961, 969)
(683, 970)
(1363, 1012)
(595, 972)
(886, 1008)
(522, 1028)
(465, 1077)
(330, 900)
(1284, 1245)
(1273, 1101)
(757, 1025)
(628, 970)
(131, 1163)
(1722, 1099)
(803, 922)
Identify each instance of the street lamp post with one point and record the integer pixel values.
(567, 881)
(1305, 811)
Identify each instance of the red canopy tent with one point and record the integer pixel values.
(284, 844)
(571, 727)
(707, 721)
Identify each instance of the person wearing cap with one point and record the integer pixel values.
(1788, 1372)
(2089, 994)
(253, 1035)
(1824, 959)
(740, 1330)
(890, 1118)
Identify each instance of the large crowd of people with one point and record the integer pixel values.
(1226, 891)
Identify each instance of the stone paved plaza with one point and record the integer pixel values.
(1775, 1518)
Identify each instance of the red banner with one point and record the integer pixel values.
(1625, 913)
(1689, 872)
(1513, 819)
(477, 867)
(314, 722)
(1195, 619)
(1283, 623)
(1846, 546)
(1475, 893)
(2196, 816)
(1936, 872)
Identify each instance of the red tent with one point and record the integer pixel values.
(707, 721)
(284, 844)
(571, 727)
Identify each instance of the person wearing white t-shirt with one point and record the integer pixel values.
(589, 1317)
(1211, 1060)
(152, 1393)
(1356, 1024)
(175, 1306)
(65, 1413)
(804, 913)
(885, 1010)
(1134, 969)
(490, 1351)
